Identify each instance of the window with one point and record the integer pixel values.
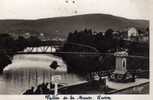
(124, 62)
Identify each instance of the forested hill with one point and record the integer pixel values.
(61, 26)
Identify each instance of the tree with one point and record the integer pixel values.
(109, 33)
(6, 41)
(21, 43)
(34, 41)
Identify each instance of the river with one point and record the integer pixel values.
(31, 70)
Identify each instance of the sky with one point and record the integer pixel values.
(35, 9)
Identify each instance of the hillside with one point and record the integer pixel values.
(61, 26)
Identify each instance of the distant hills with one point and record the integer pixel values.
(61, 26)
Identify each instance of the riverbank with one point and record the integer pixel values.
(140, 86)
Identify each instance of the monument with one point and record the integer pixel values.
(121, 73)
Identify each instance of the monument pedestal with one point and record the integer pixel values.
(121, 74)
(123, 78)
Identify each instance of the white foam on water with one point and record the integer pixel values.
(32, 70)
(35, 61)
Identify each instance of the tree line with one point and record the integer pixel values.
(104, 42)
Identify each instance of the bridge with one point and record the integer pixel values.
(52, 47)
(41, 47)
(47, 43)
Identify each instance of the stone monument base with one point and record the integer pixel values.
(122, 78)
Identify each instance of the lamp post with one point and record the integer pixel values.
(56, 79)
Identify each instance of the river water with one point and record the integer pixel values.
(32, 70)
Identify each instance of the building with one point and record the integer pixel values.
(133, 34)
